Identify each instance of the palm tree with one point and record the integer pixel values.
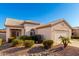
(65, 41)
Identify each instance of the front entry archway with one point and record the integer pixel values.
(15, 32)
(32, 32)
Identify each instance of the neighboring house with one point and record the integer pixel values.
(51, 30)
(75, 32)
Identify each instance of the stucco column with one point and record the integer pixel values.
(7, 34)
(22, 31)
(70, 34)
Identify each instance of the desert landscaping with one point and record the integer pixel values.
(38, 50)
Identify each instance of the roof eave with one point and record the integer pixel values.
(14, 26)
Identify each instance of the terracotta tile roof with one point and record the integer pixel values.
(14, 22)
(59, 21)
(2, 31)
(52, 24)
(42, 26)
(31, 22)
(56, 21)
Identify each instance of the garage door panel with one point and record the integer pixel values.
(60, 33)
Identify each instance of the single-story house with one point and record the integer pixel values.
(52, 30)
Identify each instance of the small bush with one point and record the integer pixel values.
(1, 41)
(25, 38)
(48, 43)
(17, 42)
(28, 43)
(11, 39)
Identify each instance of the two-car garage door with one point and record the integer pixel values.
(59, 33)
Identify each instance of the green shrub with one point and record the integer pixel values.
(1, 41)
(37, 38)
(65, 41)
(17, 42)
(28, 43)
(11, 39)
(48, 43)
(25, 38)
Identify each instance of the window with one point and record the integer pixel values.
(15, 32)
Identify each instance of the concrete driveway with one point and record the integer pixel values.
(74, 42)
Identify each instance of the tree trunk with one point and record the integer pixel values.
(65, 45)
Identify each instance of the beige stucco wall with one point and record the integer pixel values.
(60, 27)
(50, 32)
(25, 30)
(46, 32)
(28, 27)
(8, 33)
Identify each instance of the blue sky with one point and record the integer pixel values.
(42, 13)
